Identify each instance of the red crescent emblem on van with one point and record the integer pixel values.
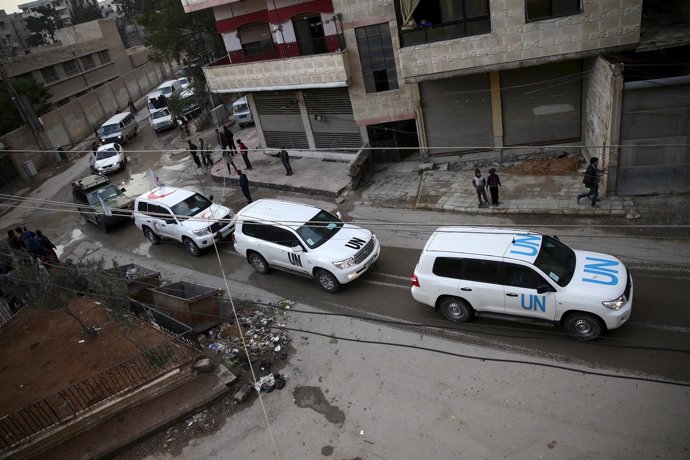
(159, 193)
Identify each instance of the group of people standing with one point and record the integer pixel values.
(36, 244)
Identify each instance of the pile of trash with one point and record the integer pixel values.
(262, 344)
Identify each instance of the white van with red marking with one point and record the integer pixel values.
(182, 215)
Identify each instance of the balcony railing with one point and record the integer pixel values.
(266, 51)
(307, 64)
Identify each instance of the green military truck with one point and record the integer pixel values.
(101, 202)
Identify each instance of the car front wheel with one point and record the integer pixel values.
(152, 237)
(192, 247)
(456, 309)
(583, 326)
(327, 281)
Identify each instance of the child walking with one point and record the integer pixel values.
(494, 183)
(479, 183)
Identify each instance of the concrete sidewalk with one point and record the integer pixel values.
(402, 185)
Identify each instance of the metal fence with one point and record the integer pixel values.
(97, 389)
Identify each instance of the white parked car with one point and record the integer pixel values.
(161, 119)
(184, 82)
(109, 158)
(304, 240)
(523, 276)
(182, 215)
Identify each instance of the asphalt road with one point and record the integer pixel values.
(654, 342)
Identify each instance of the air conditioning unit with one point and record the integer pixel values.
(29, 168)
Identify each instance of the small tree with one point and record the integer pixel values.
(85, 11)
(55, 287)
(46, 23)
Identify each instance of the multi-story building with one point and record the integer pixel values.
(87, 55)
(13, 35)
(452, 76)
(63, 7)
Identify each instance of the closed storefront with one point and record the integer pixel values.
(281, 120)
(457, 113)
(654, 156)
(542, 104)
(331, 118)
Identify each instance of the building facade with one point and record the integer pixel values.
(13, 35)
(86, 56)
(452, 76)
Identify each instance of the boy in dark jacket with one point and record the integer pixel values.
(494, 182)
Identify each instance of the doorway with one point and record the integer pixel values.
(309, 33)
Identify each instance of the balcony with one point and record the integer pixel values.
(322, 63)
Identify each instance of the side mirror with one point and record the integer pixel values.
(210, 197)
(338, 215)
(542, 288)
(556, 238)
(297, 249)
(170, 221)
(123, 190)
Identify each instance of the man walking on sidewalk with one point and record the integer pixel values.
(285, 159)
(591, 181)
(479, 183)
(230, 140)
(193, 151)
(244, 153)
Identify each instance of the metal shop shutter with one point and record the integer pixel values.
(281, 120)
(654, 156)
(457, 113)
(331, 118)
(542, 104)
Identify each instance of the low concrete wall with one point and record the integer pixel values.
(76, 121)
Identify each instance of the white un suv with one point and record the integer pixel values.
(182, 215)
(304, 240)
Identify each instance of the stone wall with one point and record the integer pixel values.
(602, 97)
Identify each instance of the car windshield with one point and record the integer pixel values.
(556, 260)
(166, 89)
(109, 129)
(240, 108)
(103, 154)
(320, 229)
(160, 114)
(183, 81)
(191, 206)
(105, 194)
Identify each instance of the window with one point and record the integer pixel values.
(87, 62)
(482, 271)
(376, 54)
(448, 267)
(536, 10)
(104, 56)
(523, 277)
(556, 260)
(256, 39)
(437, 20)
(270, 233)
(49, 74)
(70, 67)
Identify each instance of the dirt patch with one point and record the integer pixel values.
(45, 351)
(546, 166)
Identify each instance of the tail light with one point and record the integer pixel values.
(415, 280)
(232, 235)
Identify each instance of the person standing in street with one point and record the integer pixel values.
(494, 182)
(230, 140)
(245, 154)
(193, 152)
(591, 181)
(285, 159)
(479, 183)
(244, 185)
(12, 241)
(222, 140)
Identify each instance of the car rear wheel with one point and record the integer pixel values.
(258, 263)
(152, 237)
(192, 247)
(583, 326)
(455, 309)
(327, 281)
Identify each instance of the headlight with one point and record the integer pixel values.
(202, 232)
(616, 304)
(343, 264)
